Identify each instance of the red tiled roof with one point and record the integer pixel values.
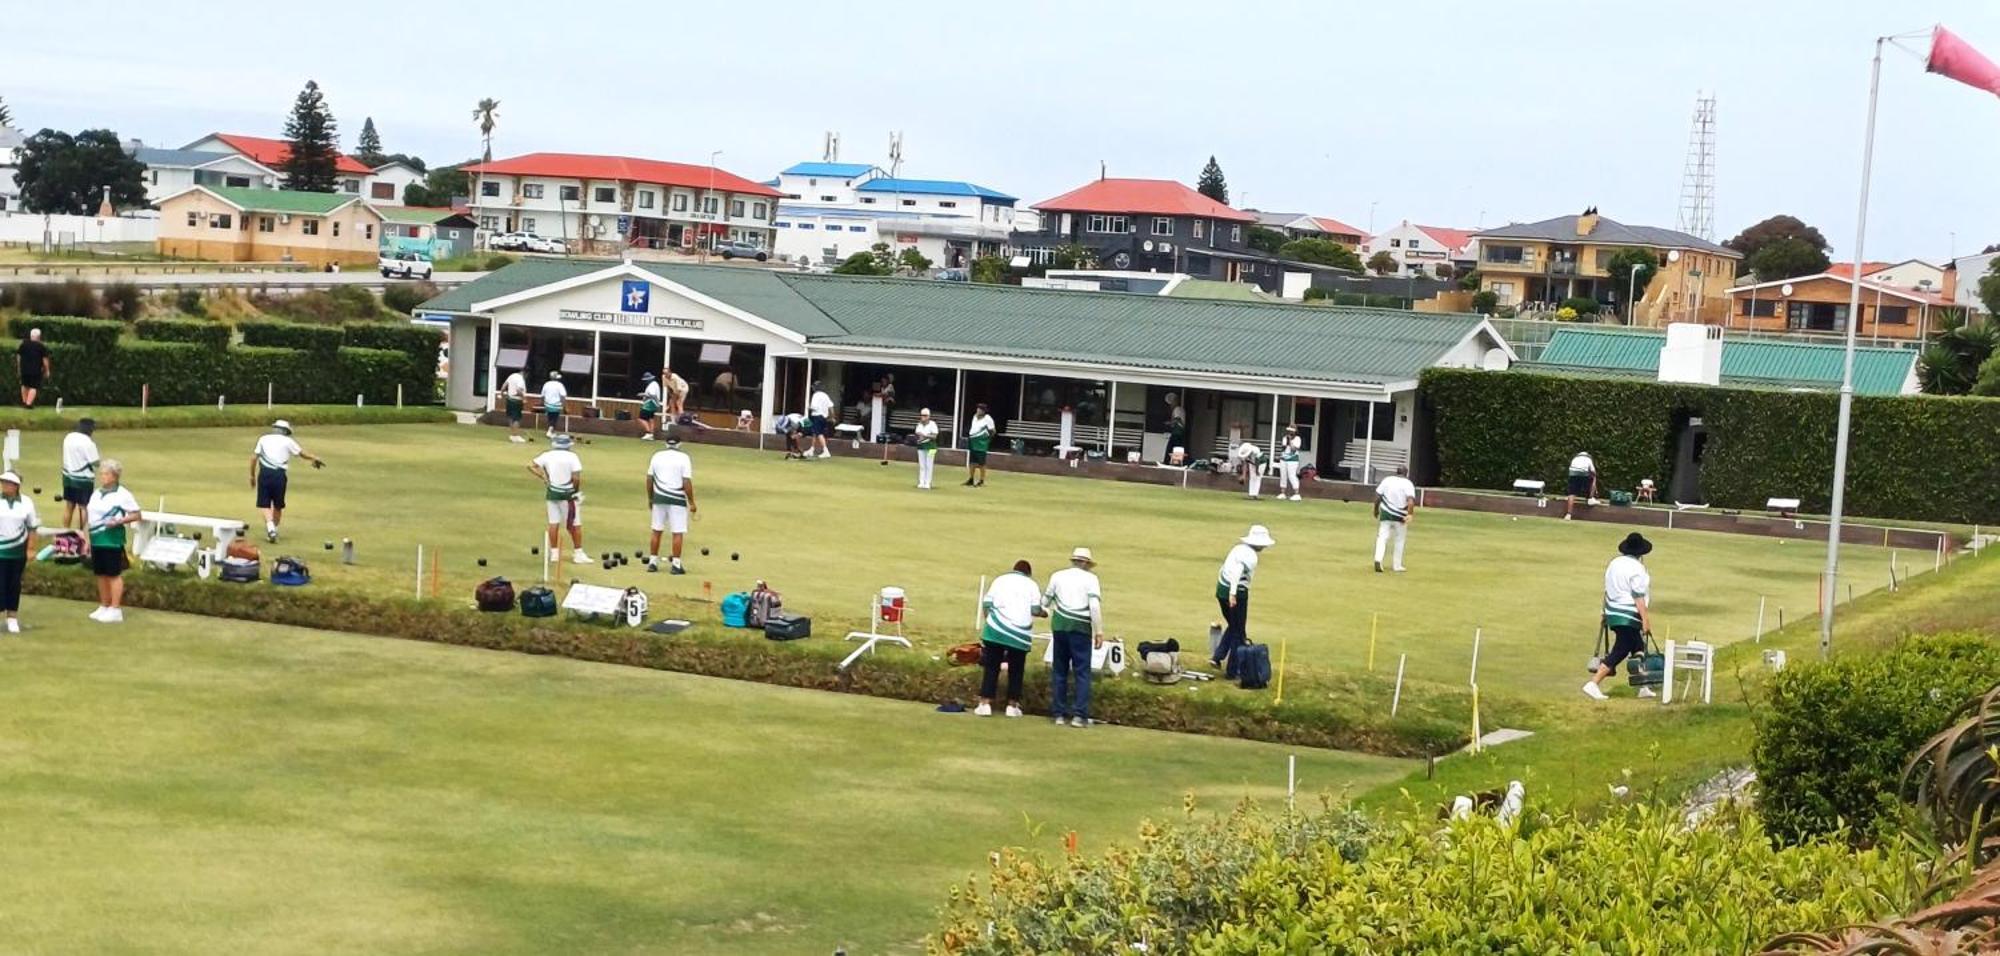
(586, 166)
(274, 152)
(1845, 269)
(1155, 197)
(1454, 239)
(1335, 227)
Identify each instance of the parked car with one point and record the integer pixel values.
(741, 250)
(510, 240)
(404, 265)
(952, 275)
(543, 244)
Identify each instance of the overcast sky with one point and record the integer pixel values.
(1446, 113)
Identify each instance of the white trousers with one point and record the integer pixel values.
(1382, 533)
(1256, 478)
(1288, 477)
(926, 466)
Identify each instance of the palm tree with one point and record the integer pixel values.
(486, 113)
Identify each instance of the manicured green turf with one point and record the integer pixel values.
(180, 784)
(829, 533)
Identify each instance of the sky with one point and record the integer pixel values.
(1450, 114)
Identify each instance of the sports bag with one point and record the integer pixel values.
(66, 547)
(290, 572)
(538, 601)
(496, 594)
(963, 654)
(785, 627)
(243, 551)
(736, 609)
(1162, 667)
(764, 604)
(239, 571)
(1253, 666)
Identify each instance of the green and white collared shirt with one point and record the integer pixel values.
(1625, 584)
(1011, 602)
(79, 458)
(561, 467)
(1237, 570)
(275, 452)
(1075, 601)
(18, 520)
(668, 473)
(106, 506)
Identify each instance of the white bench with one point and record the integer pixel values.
(1530, 486)
(1385, 457)
(1783, 506)
(153, 524)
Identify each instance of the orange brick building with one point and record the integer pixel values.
(1819, 304)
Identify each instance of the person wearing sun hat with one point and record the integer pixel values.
(18, 522)
(1232, 593)
(1076, 615)
(561, 473)
(269, 464)
(1626, 614)
(554, 394)
(926, 434)
(1288, 465)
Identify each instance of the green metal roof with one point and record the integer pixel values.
(1332, 344)
(518, 276)
(281, 200)
(1215, 289)
(1758, 362)
(414, 215)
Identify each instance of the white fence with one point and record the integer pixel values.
(66, 231)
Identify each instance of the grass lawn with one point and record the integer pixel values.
(187, 785)
(828, 534)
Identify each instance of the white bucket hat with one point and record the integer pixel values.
(1083, 555)
(283, 426)
(8, 477)
(1259, 537)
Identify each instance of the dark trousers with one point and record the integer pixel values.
(10, 582)
(1235, 620)
(1069, 675)
(991, 656)
(1625, 642)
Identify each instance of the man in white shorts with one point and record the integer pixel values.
(514, 391)
(670, 489)
(561, 474)
(1395, 502)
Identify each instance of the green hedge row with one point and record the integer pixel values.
(46, 419)
(96, 334)
(745, 655)
(418, 343)
(181, 373)
(1915, 458)
(214, 335)
(323, 339)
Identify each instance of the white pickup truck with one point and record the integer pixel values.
(404, 265)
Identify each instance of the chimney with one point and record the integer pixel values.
(1950, 289)
(1587, 223)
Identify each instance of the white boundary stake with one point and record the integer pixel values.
(977, 597)
(270, 390)
(1397, 701)
(357, 399)
(1291, 780)
(1757, 637)
(420, 572)
(220, 401)
(1939, 565)
(1473, 678)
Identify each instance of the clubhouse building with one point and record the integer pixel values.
(1082, 373)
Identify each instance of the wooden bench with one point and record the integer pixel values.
(1384, 458)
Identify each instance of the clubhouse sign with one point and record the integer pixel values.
(635, 300)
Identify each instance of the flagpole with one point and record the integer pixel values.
(1826, 597)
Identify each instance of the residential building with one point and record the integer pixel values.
(1108, 371)
(1534, 266)
(10, 150)
(830, 211)
(1419, 250)
(170, 172)
(1746, 363)
(1962, 276)
(351, 174)
(1147, 283)
(1297, 225)
(386, 182)
(432, 232)
(609, 203)
(1909, 274)
(1819, 304)
(231, 224)
(1151, 225)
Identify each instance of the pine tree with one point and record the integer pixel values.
(1212, 184)
(314, 142)
(368, 149)
(6, 115)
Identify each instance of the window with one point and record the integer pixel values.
(155, 174)
(868, 200)
(1504, 253)
(368, 230)
(909, 202)
(1107, 224)
(807, 225)
(531, 191)
(757, 211)
(266, 224)
(1892, 315)
(829, 199)
(1197, 229)
(604, 194)
(680, 202)
(489, 187)
(569, 193)
(489, 223)
(1384, 414)
(309, 227)
(645, 199)
(194, 219)
(1397, 243)
(1236, 233)
(709, 205)
(857, 228)
(381, 190)
(1760, 308)
(350, 185)
(219, 220)
(947, 204)
(238, 182)
(736, 209)
(782, 224)
(1163, 226)
(336, 228)
(1816, 316)
(528, 224)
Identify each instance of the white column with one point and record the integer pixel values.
(1368, 450)
(766, 396)
(492, 362)
(1111, 421)
(1020, 396)
(875, 417)
(596, 349)
(1275, 400)
(957, 407)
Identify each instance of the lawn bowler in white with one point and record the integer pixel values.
(670, 491)
(1288, 464)
(1395, 505)
(553, 397)
(1249, 456)
(79, 471)
(978, 443)
(111, 508)
(1627, 614)
(1582, 481)
(514, 391)
(18, 523)
(1076, 616)
(1011, 604)
(1232, 594)
(651, 400)
(926, 434)
(561, 474)
(270, 463)
(819, 421)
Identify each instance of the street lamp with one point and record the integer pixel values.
(1632, 294)
(706, 234)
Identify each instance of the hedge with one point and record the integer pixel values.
(419, 342)
(323, 339)
(181, 373)
(1920, 458)
(746, 655)
(214, 335)
(95, 334)
(46, 419)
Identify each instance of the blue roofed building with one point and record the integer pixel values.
(831, 210)
(172, 171)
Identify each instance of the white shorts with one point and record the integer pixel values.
(566, 513)
(672, 518)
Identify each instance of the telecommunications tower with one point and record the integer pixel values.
(1697, 212)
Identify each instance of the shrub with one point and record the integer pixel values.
(121, 301)
(1349, 298)
(74, 297)
(1565, 314)
(214, 335)
(1918, 458)
(1554, 885)
(1831, 746)
(1485, 301)
(404, 297)
(1314, 294)
(184, 373)
(382, 376)
(93, 334)
(345, 303)
(232, 416)
(1582, 305)
(293, 335)
(418, 342)
(189, 302)
(1385, 301)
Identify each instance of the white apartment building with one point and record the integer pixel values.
(173, 171)
(1419, 249)
(604, 204)
(830, 211)
(10, 148)
(1965, 286)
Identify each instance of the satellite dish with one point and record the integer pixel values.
(1147, 245)
(1785, 290)
(1495, 360)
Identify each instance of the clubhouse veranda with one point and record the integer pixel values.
(1113, 364)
